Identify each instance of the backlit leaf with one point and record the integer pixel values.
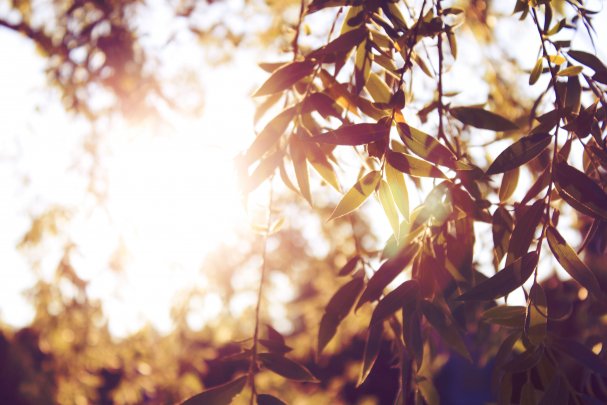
(398, 187)
(413, 166)
(536, 71)
(357, 134)
(387, 202)
(504, 281)
(401, 295)
(570, 261)
(372, 347)
(284, 77)
(357, 194)
(426, 146)
(220, 395)
(341, 45)
(321, 164)
(269, 136)
(520, 152)
(378, 89)
(506, 315)
(580, 191)
(480, 118)
(300, 166)
(570, 71)
(285, 367)
(502, 229)
(509, 183)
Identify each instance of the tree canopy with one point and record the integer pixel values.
(479, 129)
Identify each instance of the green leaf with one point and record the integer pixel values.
(403, 294)
(480, 118)
(372, 346)
(285, 367)
(580, 191)
(337, 309)
(570, 261)
(357, 134)
(426, 146)
(445, 326)
(387, 202)
(267, 399)
(220, 395)
(581, 354)
(284, 77)
(357, 194)
(386, 273)
(506, 315)
(398, 187)
(413, 166)
(519, 153)
(504, 281)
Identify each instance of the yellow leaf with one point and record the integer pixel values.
(387, 202)
(357, 194)
(396, 181)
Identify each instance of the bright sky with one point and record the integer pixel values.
(172, 195)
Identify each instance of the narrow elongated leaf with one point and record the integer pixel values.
(372, 347)
(524, 230)
(357, 134)
(378, 89)
(502, 229)
(284, 77)
(426, 146)
(267, 399)
(590, 60)
(573, 96)
(269, 135)
(342, 45)
(349, 267)
(395, 300)
(321, 164)
(570, 261)
(581, 354)
(536, 71)
(413, 166)
(387, 202)
(337, 309)
(528, 394)
(412, 332)
(504, 281)
(398, 187)
(500, 358)
(506, 315)
(445, 327)
(580, 191)
(300, 166)
(509, 183)
(480, 118)
(263, 171)
(285, 367)
(525, 361)
(519, 153)
(537, 311)
(386, 273)
(570, 71)
(357, 194)
(220, 395)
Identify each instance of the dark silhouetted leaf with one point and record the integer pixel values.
(502, 229)
(594, 63)
(413, 166)
(349, 267)
(504, 281)
(580, 191)
(267, 399)
(573, 96)
(570, 261)
(480, 118)
(372, 346)
(269, 136)
(341, 45)
(581, 354)
(520, 152)
(412, 332)
(357, 134)
(525, 360)
(445, 327)
(285, 367)
(501, 356)
(528, 394)
(537, 312)
(357, 194)
(337, 309)
(284, 77)
(524, 230)
(220, 395)
(505, 315)
(395, 300)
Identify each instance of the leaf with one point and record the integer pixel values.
(573, 96)
(342, 45)
(524, 230)
(413, 166)
(581, 354)
(506, 315)
(285, 367)
(267, 399)
(509, 183)
(570, 261)
(275, 347)
(357, 134)
(590, 60)
(525, 361)
(284, 77)
(519, 153)
(580, 191)
(445, 326)
(502, 354)
(426, 146)
(504, 281)
(300, 166)
(536, 71)
(362, 66)
(378, 89)
(372, 346)
(321, 164)
(357, 195)
(398, 187)
(570, 71)
(387, 202)
(537, 313)
(263, 171)
(502, 229)
(386, 273)
(220, 395)
(349, 267)
(269, 135)
(528, 394)
(337, 309)
(412, 332)
(429, 391)
(480, 118)
(395, 300)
